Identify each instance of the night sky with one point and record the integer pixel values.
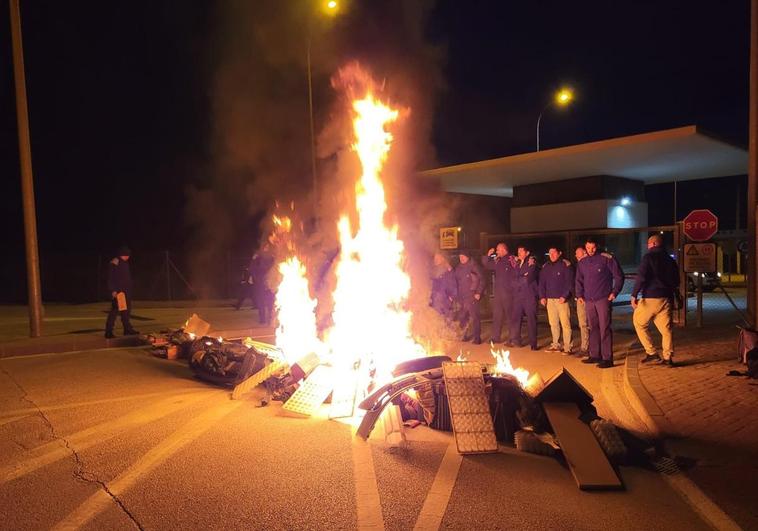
(129, 119)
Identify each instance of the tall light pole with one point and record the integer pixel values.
(752, 170)
(330, 7)
(562, 98)
(34, 287)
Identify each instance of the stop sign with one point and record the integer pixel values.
(700, 225)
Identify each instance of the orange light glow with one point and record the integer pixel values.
(503, 366)
(371, 330)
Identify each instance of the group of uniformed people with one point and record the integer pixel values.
(589, 285)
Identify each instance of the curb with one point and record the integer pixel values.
(642, 401)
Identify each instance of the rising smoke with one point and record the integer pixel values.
(261, 137)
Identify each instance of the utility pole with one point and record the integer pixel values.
(752, 180)
(34, 287)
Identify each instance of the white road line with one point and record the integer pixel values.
(435, 505)
(56, 450)
(367, 499)
(100, 501)
(701, 504)
(47, 408)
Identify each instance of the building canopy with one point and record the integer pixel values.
(681, 154)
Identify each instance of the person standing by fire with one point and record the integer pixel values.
(259, 269)
(581, 311)
(120, 288)
(444, 288)
(599, 280)
(470, 288)
(657, 281)
(504, 266)
(525, 292)
(556, 285)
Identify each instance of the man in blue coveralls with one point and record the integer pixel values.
(525, 291)
(504, 266)
(599, 280)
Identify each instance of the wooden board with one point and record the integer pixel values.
(585, 457)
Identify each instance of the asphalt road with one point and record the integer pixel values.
(117, 439)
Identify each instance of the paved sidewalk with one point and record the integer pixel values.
(73, 327)
(711, 419)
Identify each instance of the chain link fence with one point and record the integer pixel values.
(157, 275)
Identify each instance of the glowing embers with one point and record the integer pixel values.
(469, 409)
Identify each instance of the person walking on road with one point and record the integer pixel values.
(657, 281)
(120, 288)
(245, 288)
(504, 266)
(470, 288)
(599, 280)
(525, 293)
(556, 284)
(581, 311)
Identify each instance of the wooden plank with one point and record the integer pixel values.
(586, 460)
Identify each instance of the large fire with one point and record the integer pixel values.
(371, 324)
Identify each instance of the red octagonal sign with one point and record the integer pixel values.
(701, 225)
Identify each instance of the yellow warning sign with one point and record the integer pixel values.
(449, 237)
(700, 257)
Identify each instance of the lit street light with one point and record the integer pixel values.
(562, 98)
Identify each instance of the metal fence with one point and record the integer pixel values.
(157, 275)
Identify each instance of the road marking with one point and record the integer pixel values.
(82, 351)
(367, 500)
(56, 450)
(20, 413)
(435, 505)
(701, 504)
(156, 456)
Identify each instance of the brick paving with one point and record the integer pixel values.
(698, 398)
(713, 418)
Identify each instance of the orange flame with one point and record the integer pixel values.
(370, 322)
(503, 366)
(371, 329)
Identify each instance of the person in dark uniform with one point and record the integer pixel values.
(658, 283)
(245, 288)
(525, 292)
(556, 285)
(259, 268)
(444, 287)
(120, 287)
(504, 266)
(470, 288)
(599, 280)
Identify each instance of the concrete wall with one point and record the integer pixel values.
(593, 214)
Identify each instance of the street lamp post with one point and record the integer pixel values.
(330, 7)
(34, 288)
(562, 98)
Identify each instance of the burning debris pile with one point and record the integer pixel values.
(366, 355)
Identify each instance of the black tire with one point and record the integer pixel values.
(419, 365)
